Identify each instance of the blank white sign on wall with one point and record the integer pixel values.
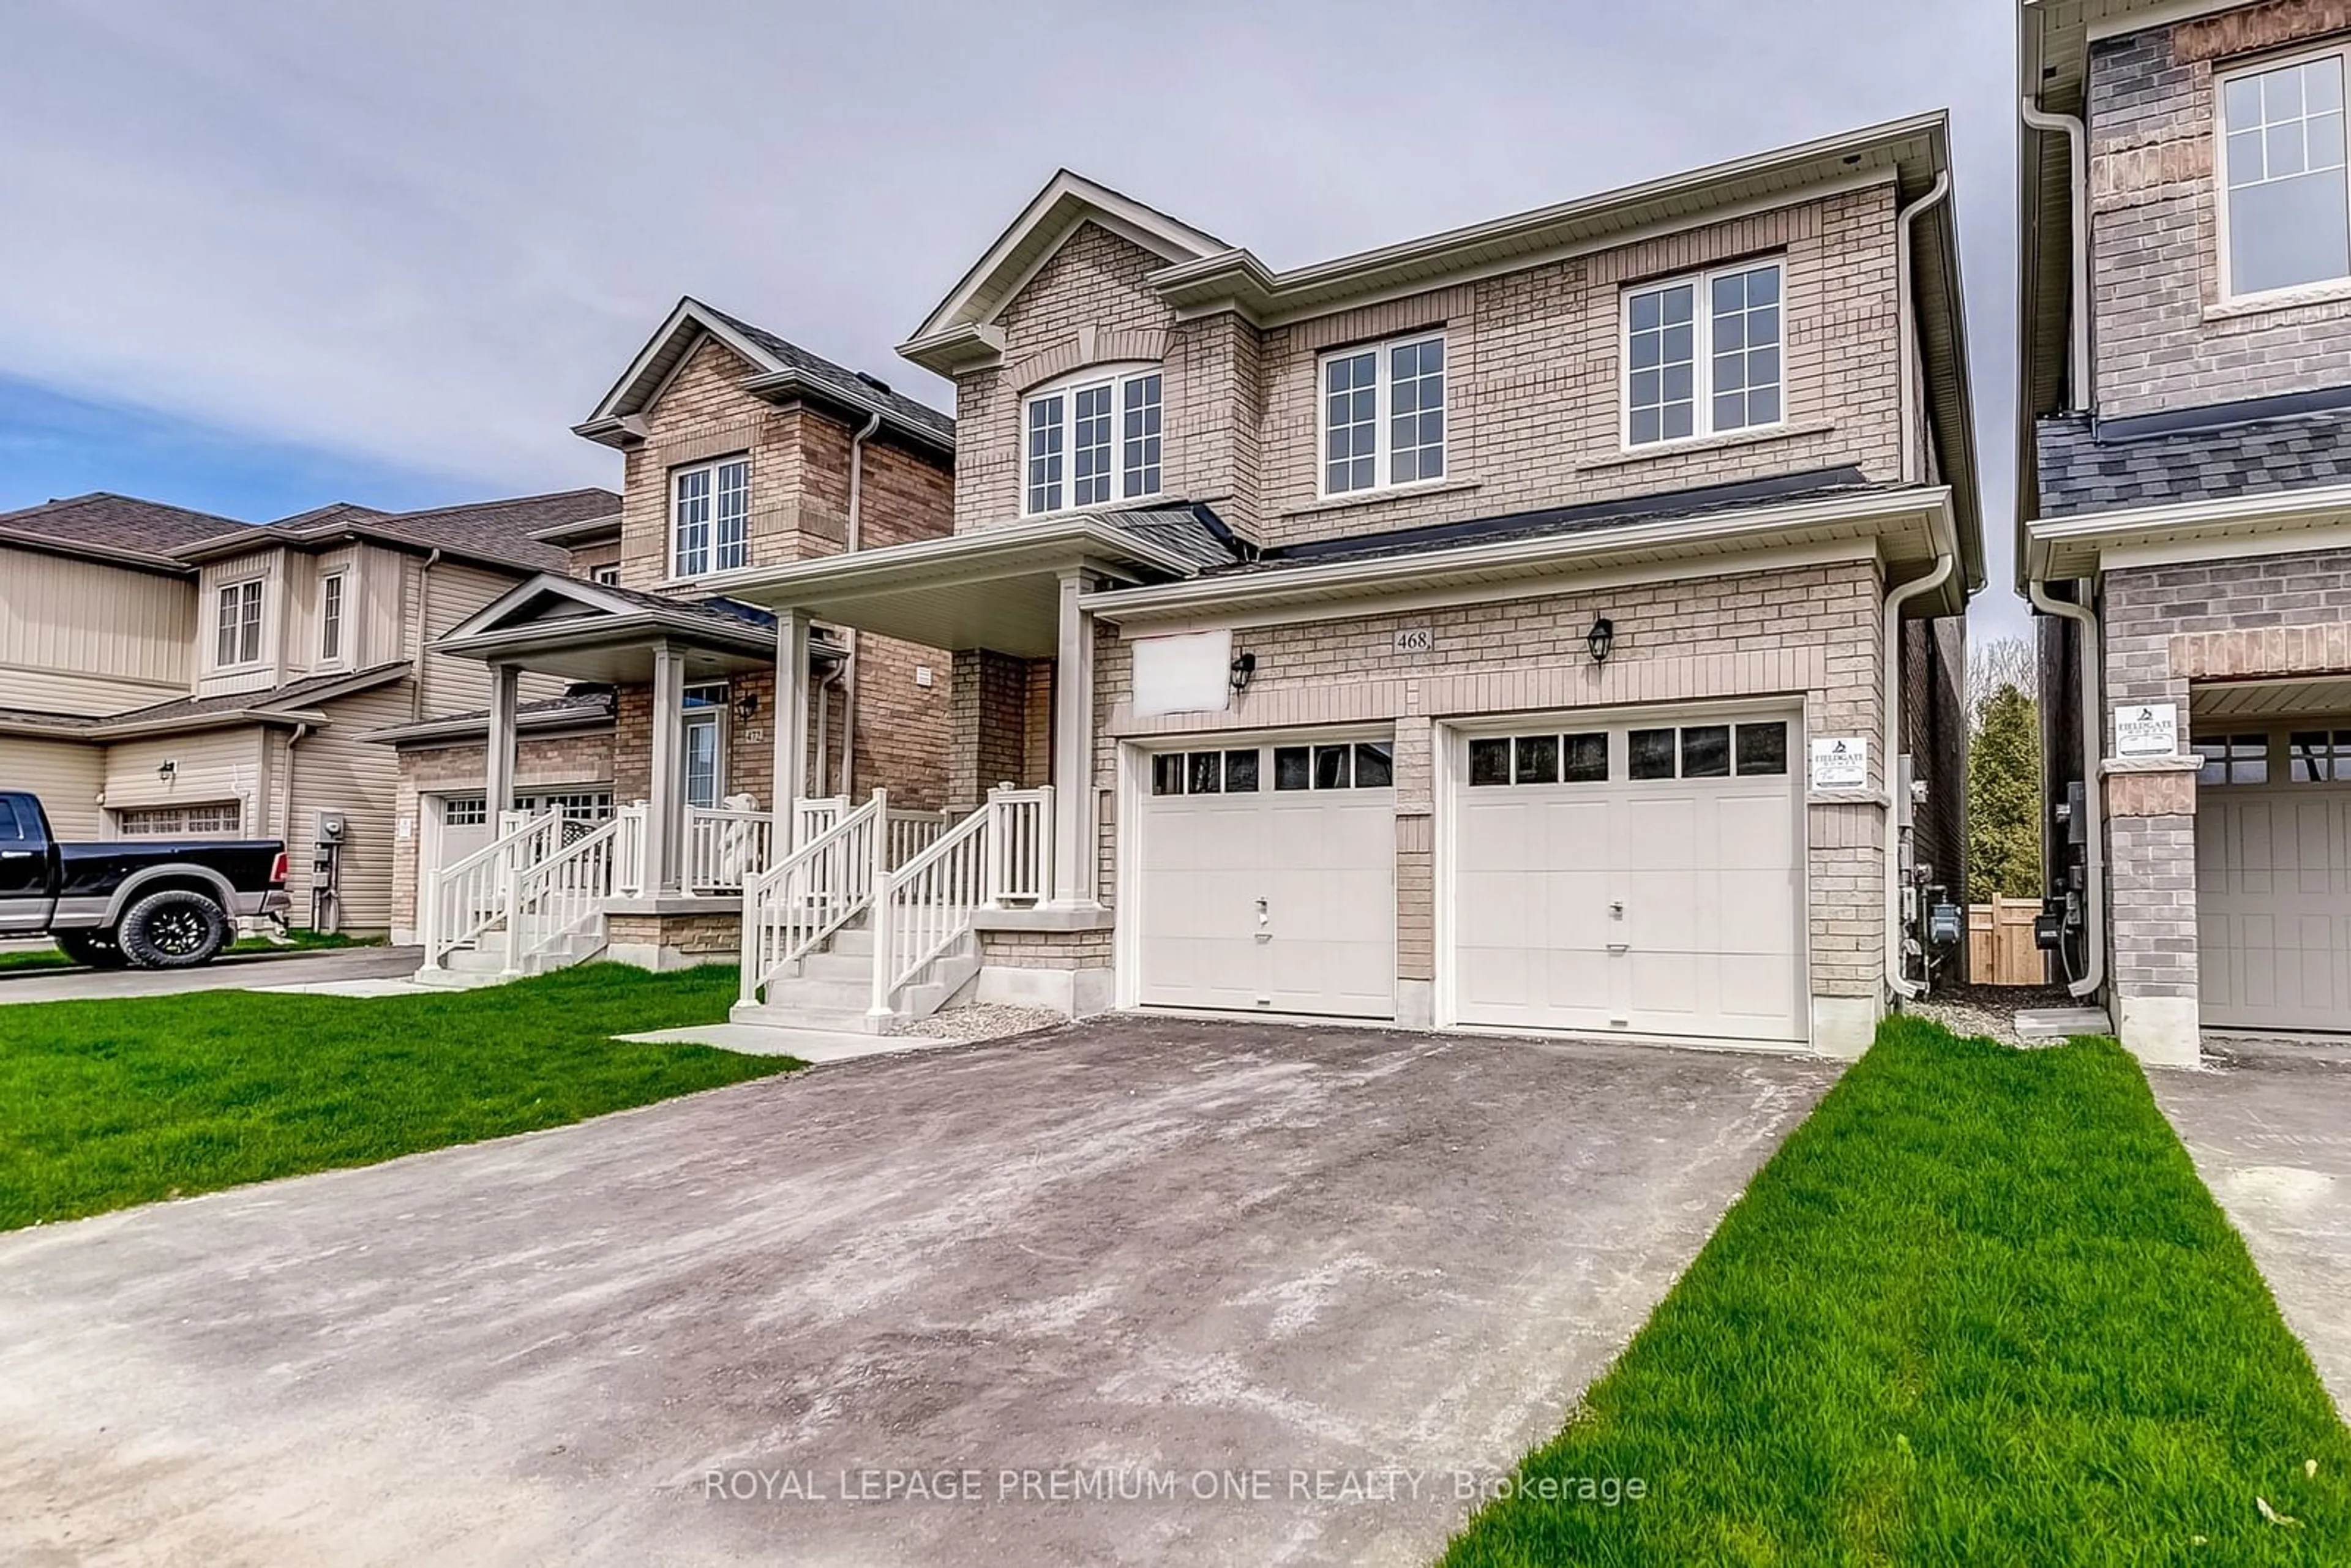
(1188, 672)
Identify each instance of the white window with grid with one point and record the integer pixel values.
(710, 517)
(1702, 355)
(2286, 193)
(1384, 416)
(1093, 441)
(238, 639)
(330, 619)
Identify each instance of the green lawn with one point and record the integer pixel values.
(1978, 1309)
(104, 1103)
(296, 940)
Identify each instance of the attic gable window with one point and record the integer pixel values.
(2287, 195)
(710, 517)
(1093, 441)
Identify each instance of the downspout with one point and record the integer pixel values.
(1945, 562)
(2093, 835)
(849, 661)
(2077, 177)
(286, 817)
(423, 630)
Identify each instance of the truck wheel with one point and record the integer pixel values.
(175, 929)
(90, 947)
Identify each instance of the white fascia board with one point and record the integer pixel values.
(1018, 547)
(1548, 554)
(2274, 522)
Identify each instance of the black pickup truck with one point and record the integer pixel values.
(150, 904)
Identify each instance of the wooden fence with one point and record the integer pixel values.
(2000, 950)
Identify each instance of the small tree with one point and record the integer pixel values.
(2004, 797)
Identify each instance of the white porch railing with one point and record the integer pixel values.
(561, 895)
(820, 814)
(999, 854)
(629, 868)
(911, 832)
(465, 899)
(724, 849)
(811, 893)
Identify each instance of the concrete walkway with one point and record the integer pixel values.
(317, 966)
(2269, 1126)
(1291, 1286)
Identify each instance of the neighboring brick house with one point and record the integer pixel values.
(743, 453)
(1503, 628)
(2186, 510)
(170, 672)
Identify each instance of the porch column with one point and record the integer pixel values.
(1074, 750)
(792, 723)
(666, 818)
(499, 760)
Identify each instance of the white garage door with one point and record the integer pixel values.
(1639, 878)
(2273, 881)
(1265, 880)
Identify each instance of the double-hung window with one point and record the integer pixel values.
(1702, 355)
(331, 618)
(1384, 416)
(2286, 193)
(1091, 442)
(239, 634)
(710, 517)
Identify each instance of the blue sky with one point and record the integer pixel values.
(261, 257)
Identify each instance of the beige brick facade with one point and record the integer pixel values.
(579, 760)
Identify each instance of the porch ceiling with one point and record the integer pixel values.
(611, 653)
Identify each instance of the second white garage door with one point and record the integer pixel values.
(1265, 880)
(2273, 881)
(1642, 877)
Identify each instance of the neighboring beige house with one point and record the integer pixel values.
(1553, 624)
(2185, 506)
(174, 673)
(742, 452)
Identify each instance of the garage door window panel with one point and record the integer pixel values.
(2319, 757)
(1762, 749)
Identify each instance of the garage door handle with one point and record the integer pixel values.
(1620, 947)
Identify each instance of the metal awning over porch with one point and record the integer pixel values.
(594, 631)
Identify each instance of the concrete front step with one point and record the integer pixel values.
(783, 1013)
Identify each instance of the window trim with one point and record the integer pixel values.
(604, 575)
(1383, 481)
(677, 553)
(258, 587)
(1701, 356)
(335, 596)
(1115, 376)
(2223, 261)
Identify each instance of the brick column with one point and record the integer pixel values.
(2151, 909)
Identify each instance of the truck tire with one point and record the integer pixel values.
(95, 948)
(174, 929)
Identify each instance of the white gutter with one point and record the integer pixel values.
(1945, 562)
(2094, 742)
(1906, 338)
(2077, 177)
(848, 667)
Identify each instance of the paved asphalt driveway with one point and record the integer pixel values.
(1149, 1254)
(228, 972)
(2269, 1126)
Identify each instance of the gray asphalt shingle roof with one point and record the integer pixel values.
(2082, 472)
(816, 367)
(117, 522)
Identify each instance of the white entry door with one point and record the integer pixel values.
(2273, 882)
(1639, 878)
(1265, 880)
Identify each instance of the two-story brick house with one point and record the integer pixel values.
(2185, 506)
(1550, 624)
(742, 452)
(170, 672)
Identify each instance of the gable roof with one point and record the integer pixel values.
(283, 704)
(146, 534)
(1068, 200)
(781, 371)
(498, 533)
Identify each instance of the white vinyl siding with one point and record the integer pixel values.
(1702, 355)
(2286, 189)
(1091, 442)
(1384, 416)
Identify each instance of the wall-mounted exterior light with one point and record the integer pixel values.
(1601, 638)
(746, 707)
(1244, 669)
